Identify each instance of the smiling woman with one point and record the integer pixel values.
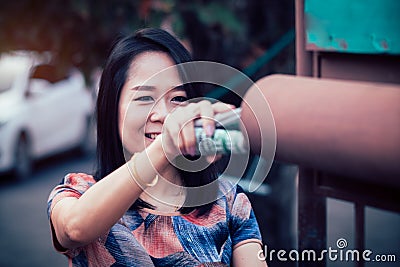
(143, 107)
(133, 211)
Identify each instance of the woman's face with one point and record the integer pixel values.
(146, 99)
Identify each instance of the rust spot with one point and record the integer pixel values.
(312, 46)
(343, 44)
(384, 45)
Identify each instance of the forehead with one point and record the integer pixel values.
(150, 68)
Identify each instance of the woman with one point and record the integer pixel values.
(133, 212)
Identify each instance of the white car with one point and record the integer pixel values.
(43, 111)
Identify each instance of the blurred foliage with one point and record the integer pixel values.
(80, 32)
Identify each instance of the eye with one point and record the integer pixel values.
(144, 98)
(179, 99)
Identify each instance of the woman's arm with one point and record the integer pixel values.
(80, 221)
(248, 255)
(77, 222)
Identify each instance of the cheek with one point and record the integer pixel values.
(132, 122)
(129, 132)
(128, 123)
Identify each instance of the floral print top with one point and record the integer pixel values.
(146, 237)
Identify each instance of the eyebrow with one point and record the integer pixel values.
(178, 88)
(143, 87)
(151, 88)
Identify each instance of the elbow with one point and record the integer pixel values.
(70, 228)
(73, 235)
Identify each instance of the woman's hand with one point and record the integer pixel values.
(178, 135)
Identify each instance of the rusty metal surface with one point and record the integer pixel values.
(372, 68)
(342, 127)
(356, 26)
(303, 57)
(344, 135)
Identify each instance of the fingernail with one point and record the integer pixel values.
(192, 151)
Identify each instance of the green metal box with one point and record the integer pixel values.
(353, 26)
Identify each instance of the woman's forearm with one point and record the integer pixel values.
(80, 221)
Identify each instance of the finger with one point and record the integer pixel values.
(207, 114)
(183, 116)
(220, 107)
(226, 116)
(214, 158)
(188, 137)
(187, 113)
(172, 131)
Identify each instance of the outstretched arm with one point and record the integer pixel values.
(248, 255)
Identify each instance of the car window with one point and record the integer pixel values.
(49, 73)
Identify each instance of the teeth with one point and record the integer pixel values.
(152, 136)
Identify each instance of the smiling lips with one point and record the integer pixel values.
(151, 135)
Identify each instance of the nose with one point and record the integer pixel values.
(159, 112)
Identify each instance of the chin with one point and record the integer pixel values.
(148, 141)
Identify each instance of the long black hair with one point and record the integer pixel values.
(110, 154)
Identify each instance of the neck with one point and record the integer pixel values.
(169, 181)
(168, 194)
(171, 174)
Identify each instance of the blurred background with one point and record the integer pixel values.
(48, 89)
(73, 38)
